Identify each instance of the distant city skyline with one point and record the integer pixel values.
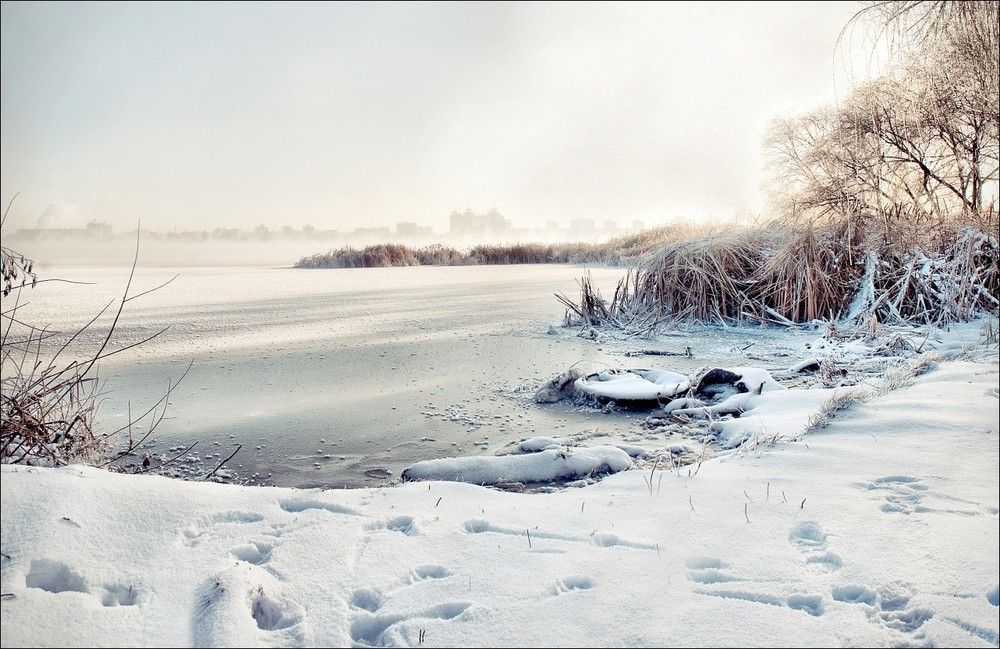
(365, 115)
(465, 226)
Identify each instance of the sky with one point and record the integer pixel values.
(879, 528)
(192, 116)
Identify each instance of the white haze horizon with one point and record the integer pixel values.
(342, 115)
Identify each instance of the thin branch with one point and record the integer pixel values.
(219, 466)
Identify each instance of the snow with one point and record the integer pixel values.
(875, 524)
(546, 465)
(638, 384)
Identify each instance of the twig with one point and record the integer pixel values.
(170, 461)
(219, 466)
(658, 352)
(134, 297)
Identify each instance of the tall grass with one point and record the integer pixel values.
(703, 278)
(618, 251)
(811, 274)
(49, 388)
(376, 256)
(793, 272)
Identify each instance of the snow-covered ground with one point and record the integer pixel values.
(878, 530)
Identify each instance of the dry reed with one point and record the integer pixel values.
(791, 273)
(617, 251)
(49, 390)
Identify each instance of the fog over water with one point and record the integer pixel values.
(345, 377)
(344, 115)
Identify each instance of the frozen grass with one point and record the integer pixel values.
(620, 250)
(49, 399)
(790, 273)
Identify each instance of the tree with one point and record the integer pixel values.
(921, 140)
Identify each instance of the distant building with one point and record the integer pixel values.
(229, 234)
(94, 230)
(406, 229)
(469, 223)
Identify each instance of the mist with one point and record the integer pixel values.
(340, 116)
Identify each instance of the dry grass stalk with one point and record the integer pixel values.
(811, 276)
(839, 400)
(990, 332)
(48, 399)
(705, 279)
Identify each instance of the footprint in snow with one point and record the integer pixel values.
(194, 533)
(376, 624)
(245, 606)
(58, 577)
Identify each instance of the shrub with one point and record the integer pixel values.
(49, 390)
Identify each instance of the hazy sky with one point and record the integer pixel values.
(340, 115)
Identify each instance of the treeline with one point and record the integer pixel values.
(918, 143)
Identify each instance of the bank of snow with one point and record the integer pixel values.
(878, 529)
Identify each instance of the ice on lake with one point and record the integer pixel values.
(344, 377)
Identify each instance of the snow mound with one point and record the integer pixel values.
(551, 464)
(633, 384)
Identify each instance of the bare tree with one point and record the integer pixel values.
(921, 140)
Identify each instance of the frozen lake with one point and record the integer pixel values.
(344, 377)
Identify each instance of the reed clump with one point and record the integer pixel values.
(622, 250)
(439, 255)
(517, 253)
(809, 274)
(954, 281)
(46, 409)
(792, 272)
(49, 388)
(377, 256)
(706, 278)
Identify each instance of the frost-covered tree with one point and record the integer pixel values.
(921, 140)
